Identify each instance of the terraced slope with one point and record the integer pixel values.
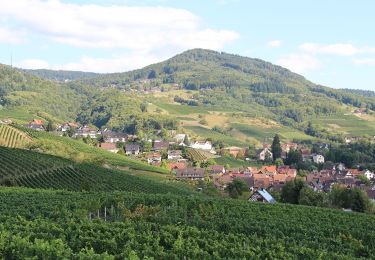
(35, 170)
(12, 137)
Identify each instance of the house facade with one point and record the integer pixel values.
(202, 145)
(190, 174)
(132, 149)
(262, 195)
(318, 158)
(174, 154)
(264, 153)
(154, 158)
(111, 147)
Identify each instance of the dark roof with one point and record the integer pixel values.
(216, 168)
(132, 147)
(161, 145)
(371, 194)
(190, 172)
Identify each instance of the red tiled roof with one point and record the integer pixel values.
(37, 122)
(108, 146)
(270, 168)
(178, 165)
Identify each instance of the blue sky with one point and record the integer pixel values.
(329, 42)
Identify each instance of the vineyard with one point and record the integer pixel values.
(12, 137)
(199, 155)
(62, 224)
(35, 170)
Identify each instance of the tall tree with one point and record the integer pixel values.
(276, 147)
(50, 127)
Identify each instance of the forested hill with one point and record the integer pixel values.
(62, 75)
(248, 85)
(201, 69)
(361, 92)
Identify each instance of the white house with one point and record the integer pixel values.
(203, 145)
(154, 158)
(174, 154)
(318, 158)
(180, 137)
(369, 174)
(264, 153)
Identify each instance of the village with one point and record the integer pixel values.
(195, 161)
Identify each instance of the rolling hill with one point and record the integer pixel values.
(236, 100)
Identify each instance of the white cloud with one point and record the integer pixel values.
(365, 61)
(32, 64)
(107, 65)
(274, 44)
(132, 28)
(340, 49)
(10, 36)
(299, 63)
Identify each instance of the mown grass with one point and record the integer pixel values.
(346, 124)
(233, 162)
(205, 133)
(262, 133)
(182, 109)
(18, 116)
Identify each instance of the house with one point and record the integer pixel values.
(369, 174)
(262, 195)
(216, 169)
(306, 154)
(264, 153)
(36, 125)
(261, 181)
(318, 158)
(287, 171)
(271, 169)
(111, 147)
(180, 138)
(221, 181)
(190, 174)
(203, 145)
(279, 178)
(114, 137)
(288, 147)
(160, 145)
(66, 127)
(85, 131)
(154, 158)
(174, 154)
(132, 149)
(371, 195)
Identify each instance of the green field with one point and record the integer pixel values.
(347, 124)
(16, 115)
(261, 133)
(233, 162)
(182, 109)
(216, 136)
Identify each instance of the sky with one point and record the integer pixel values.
(331, 43)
